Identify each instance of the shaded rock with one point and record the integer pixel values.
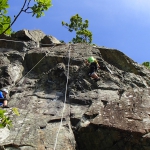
(118, 123)
(118, 59)
(9, 43)
(48, 39)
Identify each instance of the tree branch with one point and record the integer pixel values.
(16, 16)
(25, 10)
(28, 3)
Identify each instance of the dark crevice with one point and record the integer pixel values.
(56, 120)
(92, 116)
(42, 127)
(101, 137)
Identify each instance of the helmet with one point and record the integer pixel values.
(91, 59)
(5, 90)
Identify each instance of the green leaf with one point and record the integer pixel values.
(4, 20)
(15, 110)
(1, 125)
(40, 6)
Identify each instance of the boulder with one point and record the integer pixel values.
(26, 35)
(48, 39)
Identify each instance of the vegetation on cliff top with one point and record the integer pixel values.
(83, 35)
(34, 7)
(146, 64)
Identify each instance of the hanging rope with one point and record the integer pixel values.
(33, 67)
(62, 115)
(65, 90)
(20, 80)
(64, 106)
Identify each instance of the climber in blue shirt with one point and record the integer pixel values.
(3, 99)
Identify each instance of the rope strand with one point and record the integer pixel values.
(64, 100)
(28, 101)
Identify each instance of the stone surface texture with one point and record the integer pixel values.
(61, 107)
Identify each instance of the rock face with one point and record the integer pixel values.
(62, 108)
(25, 40)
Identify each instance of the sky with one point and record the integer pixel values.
(118, 24)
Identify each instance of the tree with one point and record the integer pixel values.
(147, 64)
(4, 20)
(82, 34)
(37, 9)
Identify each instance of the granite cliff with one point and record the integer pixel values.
(61, 107)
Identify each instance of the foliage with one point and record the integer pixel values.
(82, 34)
(39, 7)
(16, 112)
(61, 41)
(4, 120)
(35, 7)
(147, 64)
(4, 20)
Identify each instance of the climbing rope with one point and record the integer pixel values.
(64, 101)
(64, 104)
(53, 45)
(21, 79)
(62, 115)
(33, 66)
